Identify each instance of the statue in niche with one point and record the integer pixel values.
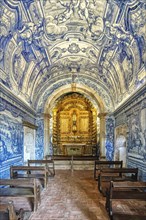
(120, 148)
(74, 120)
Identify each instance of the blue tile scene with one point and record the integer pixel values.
(51, 49)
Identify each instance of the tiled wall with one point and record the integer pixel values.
(133, 115)
(11, 142)
(109, 143)
(12, 115)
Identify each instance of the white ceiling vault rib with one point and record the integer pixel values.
(46, 45)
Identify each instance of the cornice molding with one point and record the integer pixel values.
(7, 95)
(29, 125)
(138, 96)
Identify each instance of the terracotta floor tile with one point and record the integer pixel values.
(71, 196)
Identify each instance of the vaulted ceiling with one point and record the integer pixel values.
(46, 45)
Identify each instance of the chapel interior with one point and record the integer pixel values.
(72, 85)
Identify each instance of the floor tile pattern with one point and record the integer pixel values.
(71, 196)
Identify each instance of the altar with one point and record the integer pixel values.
(74, 148)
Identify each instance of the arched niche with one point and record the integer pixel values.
(120, 152)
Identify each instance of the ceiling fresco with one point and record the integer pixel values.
(48, 44)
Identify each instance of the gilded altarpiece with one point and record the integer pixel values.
(74, 126)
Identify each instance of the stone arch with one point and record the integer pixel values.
(74, 88)
(51, 101)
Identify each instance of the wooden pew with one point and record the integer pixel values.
(120, 192)
(24, 188)
(107, 175)
(48, 163)
(7, 211)
(99, 164)
(37, 172)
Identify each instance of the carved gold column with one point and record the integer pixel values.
(46, 133)
(102, 133)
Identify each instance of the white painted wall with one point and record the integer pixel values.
(29, 144)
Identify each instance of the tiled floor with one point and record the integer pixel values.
(71, 196)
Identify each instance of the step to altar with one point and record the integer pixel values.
(73, 165)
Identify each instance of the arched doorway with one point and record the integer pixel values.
(74, 125)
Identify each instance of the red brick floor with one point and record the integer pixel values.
(71, 196)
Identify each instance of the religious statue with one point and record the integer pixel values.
(74, 119)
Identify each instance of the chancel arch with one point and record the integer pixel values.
(89, 104)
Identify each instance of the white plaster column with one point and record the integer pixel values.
(46, 133)
(29, 141)
(102, 134)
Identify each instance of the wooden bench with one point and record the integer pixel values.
(107, 175)
(48, 163)
(26, 188)
(37, 172)
(99, 164)
(7, 211)
(120, 192)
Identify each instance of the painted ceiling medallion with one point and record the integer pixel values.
(82, 16)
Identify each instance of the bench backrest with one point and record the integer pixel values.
(128, 190)
(25, 168)
(125, 190)
(108, 163)
(14, 170)
(21, 188)
(38, 172)
(18, 182)
(100, 164)
(8, 207)
(41, 162)
(120, 172)
(128, 184)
